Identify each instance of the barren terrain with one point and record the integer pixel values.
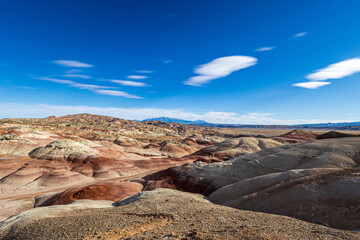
(74, 177)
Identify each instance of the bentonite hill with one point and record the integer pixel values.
(96, 177)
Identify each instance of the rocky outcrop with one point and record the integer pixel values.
(64, 149)
(11, 137)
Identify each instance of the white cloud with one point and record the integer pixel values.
(88, 86)
(264, 49)
(72, 83)
(333, 71)
(301, 34)
(72, 63)
(199, 80)
(167, 61)
(8, 110)
(61, 81)
(337, 70)
(116, 93)
(137, 77)
(77, 76)
(220, 67)
(129, 83)
(94, 88)
(144, 71)
(311, 85)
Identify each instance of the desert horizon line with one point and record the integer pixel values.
(193, 122)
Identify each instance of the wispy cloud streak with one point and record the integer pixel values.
(129, 83)
(72, 63)
(137, 77)
(117, 93)
(264, 49)
(77, 76)
(72, 83)
(94, 88)
(301, 34)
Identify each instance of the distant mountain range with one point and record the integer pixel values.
(343, 125)
(176, 120)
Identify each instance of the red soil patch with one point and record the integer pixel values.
(105, 191)
(2, 131)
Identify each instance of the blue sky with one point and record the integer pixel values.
(231, 61)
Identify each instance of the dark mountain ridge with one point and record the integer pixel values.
(176, 120)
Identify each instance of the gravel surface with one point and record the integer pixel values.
(168, 214)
